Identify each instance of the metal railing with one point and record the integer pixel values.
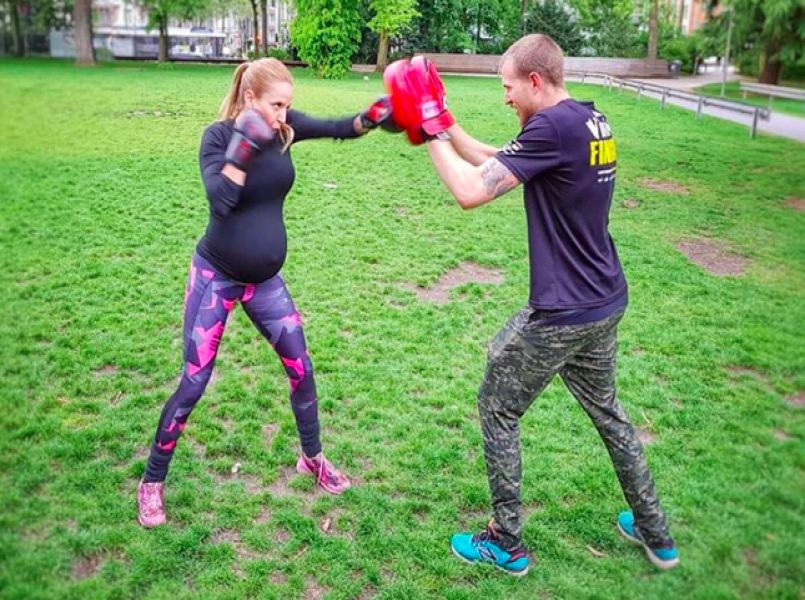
(665, 93)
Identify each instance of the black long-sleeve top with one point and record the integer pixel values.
(245, 238)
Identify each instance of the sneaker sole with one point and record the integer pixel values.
(497, 566)
(660, 564)
(140, 521)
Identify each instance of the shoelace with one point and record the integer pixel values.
(151, 500)
(324, 471)
(487, 535)
(484, 536)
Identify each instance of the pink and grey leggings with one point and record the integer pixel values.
(209, 299)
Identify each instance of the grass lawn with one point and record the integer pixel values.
(101, 206)
(733, 91)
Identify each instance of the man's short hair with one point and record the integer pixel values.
(537, 53)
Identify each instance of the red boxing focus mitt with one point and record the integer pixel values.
(404, 100)
(435, 116)
(417, 98)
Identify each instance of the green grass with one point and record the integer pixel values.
(733, 91)
(100, 208)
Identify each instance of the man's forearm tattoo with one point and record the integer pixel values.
(497, 179)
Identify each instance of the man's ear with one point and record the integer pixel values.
(536, 81)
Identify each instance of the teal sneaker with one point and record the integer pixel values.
(664, 558)
(481, 547)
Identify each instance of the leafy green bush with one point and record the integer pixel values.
(104, 55)
(327, 33)
(278, 53)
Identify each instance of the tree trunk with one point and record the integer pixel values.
(255, 29)
(163, 39)
(280, 18)
(772, 67)
(680, 16)
(478, 29)
(653, 30)
(264, 7)
(82, 30)
(523, 7)
(19, 42)
(382, 51)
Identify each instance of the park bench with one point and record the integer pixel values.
(772, 91)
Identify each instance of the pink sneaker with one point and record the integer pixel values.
(151, 501)
(327, 477)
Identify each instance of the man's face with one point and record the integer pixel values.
(521, 93)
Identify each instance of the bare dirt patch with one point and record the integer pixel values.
(473, 519)
(242, 553)
(797, 400)
(367, 593)
(464, 273)
(644, 435)
(282, 536)
(741, 370)
(664, 186)
(281, 488)
(713, 257)
(797, 204)
(87, 567)
(251, 483)
(152, 113)
(631, 203)
(225, 536)
(781, 435)
(530, 508)
(106, 371)
(278, 578)
(264, 516)
(313, 591)
(269, 431)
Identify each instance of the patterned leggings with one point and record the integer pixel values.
(209, 299)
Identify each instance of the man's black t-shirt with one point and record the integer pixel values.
(565, 157)
(245, 238)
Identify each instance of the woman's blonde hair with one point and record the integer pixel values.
(256, 75)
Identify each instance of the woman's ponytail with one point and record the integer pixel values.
(231, 104)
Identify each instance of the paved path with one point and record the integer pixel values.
(780, 124)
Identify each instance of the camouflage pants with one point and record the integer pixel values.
(523, 358)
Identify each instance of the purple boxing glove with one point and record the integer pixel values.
(250, 135)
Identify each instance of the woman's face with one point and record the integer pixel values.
(273, 104)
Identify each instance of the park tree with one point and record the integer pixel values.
(558, 20)
(772, 31)
(653, 29)
(441, 26)
(82, 32)
(326, 34)
(264, 14)
(161, 11)
(609, 26)
(255, 25)
(495, 24)
(391, 17)
(16, 10)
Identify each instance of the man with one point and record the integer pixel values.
(566, 159)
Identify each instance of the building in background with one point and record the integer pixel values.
(120, 28)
